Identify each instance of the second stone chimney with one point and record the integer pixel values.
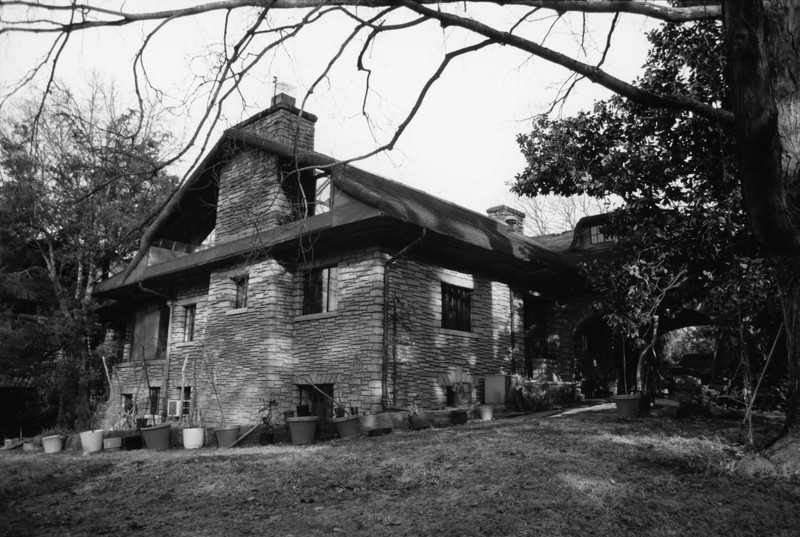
(283, 122)
(504, 214)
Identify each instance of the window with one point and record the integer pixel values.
(317, 404)
(127, 403)
(152, 400)
(189, 313)
(596, 236)
(319, 290)
(456, 306)
(241, 291)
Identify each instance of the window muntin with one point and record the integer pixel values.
(189, 315)
(320, 290)
(240, 301)
(456, 308)
(596, 236)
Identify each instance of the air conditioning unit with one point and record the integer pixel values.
(174, 408)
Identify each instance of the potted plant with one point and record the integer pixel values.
(193, 434)
(53, 439)
(628, 404)
(269, 421)
(417, 418)
(485, 412)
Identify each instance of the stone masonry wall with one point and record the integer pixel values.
(250, 196)
(344, 346)
(429, 356)
(281, 124)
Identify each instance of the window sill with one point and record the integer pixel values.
(184, 344)
(459, 333)
(138, 363)
(236, 311)
(315, 316)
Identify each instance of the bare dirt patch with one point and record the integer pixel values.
(584, 474)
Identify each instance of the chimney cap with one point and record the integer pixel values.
(505, 209)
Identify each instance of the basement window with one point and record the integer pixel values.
(456, 307)
(316, 403)
(320, 290)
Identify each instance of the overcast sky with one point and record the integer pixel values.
(461, 146)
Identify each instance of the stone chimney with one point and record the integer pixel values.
(283, 122)
(504, 214)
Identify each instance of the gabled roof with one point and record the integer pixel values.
(391, 201)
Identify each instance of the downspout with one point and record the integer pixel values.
(385, 365)
(165, 390)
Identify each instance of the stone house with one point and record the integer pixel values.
(277, 272)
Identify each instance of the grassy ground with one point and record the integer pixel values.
(590, 473)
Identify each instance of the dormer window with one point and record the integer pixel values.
(596, 236)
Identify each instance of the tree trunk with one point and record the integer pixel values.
(764, 80)
(788, 275)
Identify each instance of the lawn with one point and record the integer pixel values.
(590, 473)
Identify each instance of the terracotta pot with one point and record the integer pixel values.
(628, 405)
(349, 427)
(419, 421)
(156, 437)
(92, 441)
(226, 436)
(303, 429)
(458, 417)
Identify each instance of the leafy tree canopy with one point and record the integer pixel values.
(682, 234)
(75, 193)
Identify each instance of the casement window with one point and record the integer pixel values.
(241, 291)
(320, 290)
(456, 307)
(189, 314)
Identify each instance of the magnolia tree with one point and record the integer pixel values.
(759, 37)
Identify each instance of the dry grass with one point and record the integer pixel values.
(586, 474)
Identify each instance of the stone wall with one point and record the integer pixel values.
(251, 198)
(343, 347)
(429, 357)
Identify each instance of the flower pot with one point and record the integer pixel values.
(112, 443)
(193, 437)
(486, 412)
(28, 446)
(92, 441)
(226, 436)
(52, 444)
(266, 438)
(157, 436)
(349, 427)
(457, 417)
(419, 421)
(303, 429)
(132, 442)
(628, 405)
